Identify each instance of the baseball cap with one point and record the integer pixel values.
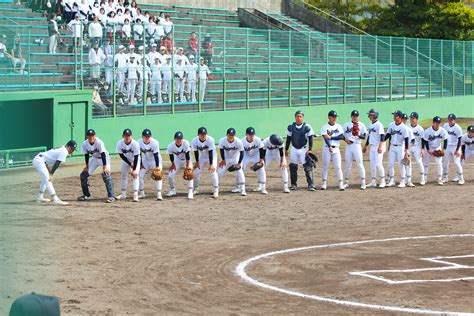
(180, 48)
(373, 112)
(90, 132)
(140, 47)
(404, 116)
(332, 113)
(250, 131)
(452, 116)
(202, 131)
(35, 305)
(127, 132)
(131, 46)
(398, 113)
(72, 144)
(153, 45)
(470, 128)
(162, 47)
(436, 119)
(146, 132)
(355, 113)
(414, 115)
(299, 112)
(121, 47)
(191, 57)
(231, 131)
(96, 42)
(276, 140)
(178, 135)
(132, 56)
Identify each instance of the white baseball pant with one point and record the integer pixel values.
(438, 162)
(95, 163)
(240, 176)
(354, 152)
(125, 169)
(120, 80)
(298, 155)
(192, 90)
(156, 89)
(335, 157)
(251, 160)
(146, 166)
(270, 157)
(179, 88)
(468, 154)
(450, 153)
(167, 89)
(376, 165)
(171, 176)
(415, 152)
(132, 83)
(203, 88)
(40, 166)
(203, 163)
(396, 153)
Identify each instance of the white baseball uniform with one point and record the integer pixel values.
(415, 151)
(191, 71)
(155, 81)
(232, 155)
(454, 146)
(204, 148)
(179, 158)
(396, 152)
(252, 156)
(129, 151)
(376, 131)
(331, 150)
(95, 149)
(354, 150)
(42, 161)
(148, 151)
(275, 153)
(469, 143)
(434, 140)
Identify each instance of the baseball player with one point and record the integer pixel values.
(151, 159)
(376, 140)
(398, 147)
(191, 72)
(120, 60)
(453, 151)
(435, 138)
(416, 150)
(301, 136)
(166, 73)
(332, 134)
(204, 74)
(179, 76)
(467, 146)
(205, 153)
(273, 146)
(411, 141)
(129, 150)
(354, 132)
(95, 147)
(232, 153)
(155, 81)
(132, 70)
(46, 163)
(254, 152)
(179, 152)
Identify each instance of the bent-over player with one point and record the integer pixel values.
(354, 132)
(232, 154)
(151, 159)
(129, 150)
(274, 152)
(180, 157)
(332, 134)
(205, 154)
(254, 152)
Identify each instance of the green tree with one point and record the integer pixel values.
(452, 20)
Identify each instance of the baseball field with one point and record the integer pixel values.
(378, 251)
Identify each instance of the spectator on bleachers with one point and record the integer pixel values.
(166, 71)
(119, 17)
(191, 74)
(3, 54)
(120, 6)
(102, 17)
(120, 60)
(95, 10)
(180, 55)
(161, 17)
(76, 27)
(163, 55)
(144, 73)
(152, 54)
(139, 15)
(53, 34)
(108, 61)
(133, 9)
(150, 30)
(127, 14)
(110, 7)
(179, 76)
(159, 32)
(155, 81)
(192, 45)
(207, 50)
(97, 103)
(140, 54)
(95, 31)
(16, 57)
(138, 32)
(167, 26)
(112, 26)
(132, 68)
(126, 32)
(96, 58)
(83, 11)
(75, 8)
(204, 73)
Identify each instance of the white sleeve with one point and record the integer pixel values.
(169, 150)
(118, 149)
(324, 132)
(83, 148)
(62, 155)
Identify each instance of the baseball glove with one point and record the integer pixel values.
(311, 158)
(355, 129)
(234, 167)
(188, 174)
(156, 174)
(438, 153)
(406, 160)
(256, 166)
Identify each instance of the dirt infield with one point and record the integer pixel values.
(179, 256)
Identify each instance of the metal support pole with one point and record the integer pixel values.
(429, 68)
(171, 97)
(114, 80)
(269, 80)
(309, 68)
(452, 69)
(360, 89)
(289, 68)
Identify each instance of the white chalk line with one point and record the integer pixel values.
(374, 274)
(241, 267)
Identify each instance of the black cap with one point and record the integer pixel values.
(146, 132)
(398, 113)
(299, 112)
(231, 131)
(404, 116)
(202, 131)
(373, 112)
(250, 131)
(355, 113)
(332, 113)
(436, 119)
(127, 132)
(72, 144)
(90, 132)
(470, 128)
(276, 140)
(452, 116)
(414, 115)
(35, 305)
(178, 135)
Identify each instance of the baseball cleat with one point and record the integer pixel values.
(236, 190)
(258, 188)
(363, 187)
(84, 198)
(243, 193)
(410, 184)
(159, 197)
(391, 183)
(440, 182)
(422, 182)
(141, 195)
(41, 199)
(382, 184)
(215, 194)
(122, 196)
(59, 202)
(445, 180)
(456, 179)
(311, 188)
(171, 193)
(190, 194)
(195, 191)
(135, 197)
(372, 184)
(324, 186)
(286, 189)
(110, 200)
(402, 185)
(293, 187)
(461, 181)
(346, 185)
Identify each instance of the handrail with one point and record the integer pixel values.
(377, 39)
(7, 18)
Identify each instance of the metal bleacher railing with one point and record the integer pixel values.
(255, 68)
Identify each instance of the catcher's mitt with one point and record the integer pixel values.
(157, 174)
(355, 129)
(438, 153)
(311, 158)
(234, 167)
(256, 166)
(188, 174)
(406, 160)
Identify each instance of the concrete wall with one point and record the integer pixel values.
(270, 5)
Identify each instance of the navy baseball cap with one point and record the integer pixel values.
(231, 131)
(250, 131)
(452, 116)
(398, 113)
(146, 132)
(332, 113)
(299, 112)
(178, 135)
(35, 305)
(470, 128)
(202, 131)
(436, 119)
(90, 132)
(276, 140)
(414, 115)
(404, 116)
(72, 144)
(355, 113)
(373, 112)
(127, 132)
